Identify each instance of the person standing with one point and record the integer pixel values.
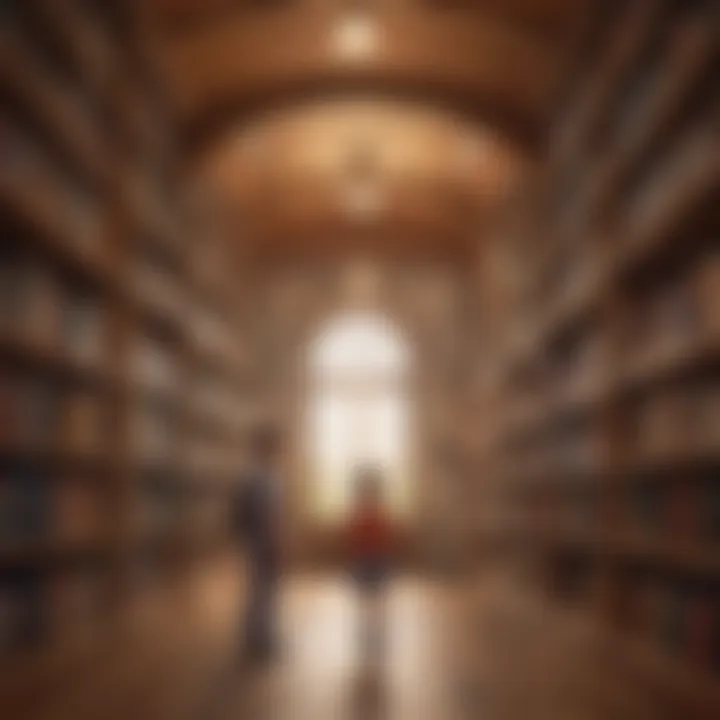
(260, 520)
(372, 543)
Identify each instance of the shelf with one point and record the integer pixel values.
(69, 124)
(696, 357)
(698, 179)
(42, 554)
(668, 461)
(151, 220)
(573, 306)
(166, 398)
(555, 472)
(639, 660)
(170, 321)
(210, 425)
(546, 414)
(697, 558)
(52, 231)
(161, 465)
(56, 456)
(689, 58)
(83, 42)
(53, 360)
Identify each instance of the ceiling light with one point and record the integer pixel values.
(356, 35)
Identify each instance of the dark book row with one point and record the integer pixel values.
(679, 614)
(41, 308)
(685, 509)
(42, 509)
(36, 606)
(44, 414)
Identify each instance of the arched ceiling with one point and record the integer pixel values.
(282, 101)
(331, 175)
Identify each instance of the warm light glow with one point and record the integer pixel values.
(356, 36)
(358, 412)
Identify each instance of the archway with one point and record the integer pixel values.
(358, 408)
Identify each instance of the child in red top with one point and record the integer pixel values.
(371, 541)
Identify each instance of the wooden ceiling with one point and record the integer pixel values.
(442, 109)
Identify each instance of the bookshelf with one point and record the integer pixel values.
(601, 470)
(121, 380)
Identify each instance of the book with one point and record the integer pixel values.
(24, 506)
(703, 624)
(648, 500)
(77, 511)
(23, 617)
(707, 289)
(8, 408)
(83, 328)
(710, 506)
(36, 411)
(81, 423)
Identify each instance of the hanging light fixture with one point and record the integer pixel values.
(356, 35)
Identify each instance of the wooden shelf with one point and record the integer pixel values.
(645, 663)
(52, 231)
(70, 125)
(548, 413)
(85, 43)
(690, 56)
(57, 456)
(695, 558)
(39, 555)
(87, 195)
(696, 357)
(54, 360)
(699, 168)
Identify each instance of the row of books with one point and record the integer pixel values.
(86, 66)
(211, 398)
(155, 434)
(213, 458)
(157, 286)
(38, 508)
(676, 420)
(671, 512)
(35, 606)
(565, 445)
(681, 615)
(159, 436)
(39, 307)
(28, 172)
(168, 502)
(675, 313)
(676, 509)
(155, 365)
(39, 413)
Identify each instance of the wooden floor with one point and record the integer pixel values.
(180, 662)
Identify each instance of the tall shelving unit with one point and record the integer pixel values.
(603, 469)
(121, 373)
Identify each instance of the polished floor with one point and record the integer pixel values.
(181, 660)
(324, 673)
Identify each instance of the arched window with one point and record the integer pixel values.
(358, 411)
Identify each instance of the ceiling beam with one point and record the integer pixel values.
(216, 123)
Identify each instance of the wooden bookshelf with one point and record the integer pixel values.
(600, 473)
(110, 465)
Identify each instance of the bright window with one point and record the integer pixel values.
(358, 411)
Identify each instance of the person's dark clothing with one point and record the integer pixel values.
(258, 516)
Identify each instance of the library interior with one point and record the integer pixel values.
(360, 359)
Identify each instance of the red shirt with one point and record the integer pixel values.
(371, 534)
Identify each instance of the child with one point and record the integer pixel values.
(371, 540)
